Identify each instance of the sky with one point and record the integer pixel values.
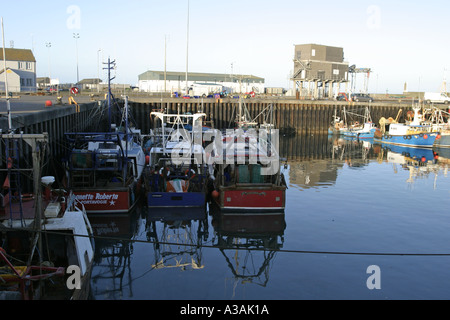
(401, 41)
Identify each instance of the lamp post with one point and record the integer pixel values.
(76, 36)
(8, 105)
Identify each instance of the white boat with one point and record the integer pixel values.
(363, 130)
(366, 132)
(338, 124)
(44, 235)
(440, 119)
(353, 124)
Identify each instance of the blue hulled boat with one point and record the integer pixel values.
(176, 175)
(414, 134)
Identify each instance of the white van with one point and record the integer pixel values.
(436, 97)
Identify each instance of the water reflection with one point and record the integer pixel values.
(248, 243)
(420, 162)
(177, 236)
(318, 163)
(244, 245)
(111, 274)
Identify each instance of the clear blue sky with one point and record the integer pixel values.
(402, 41)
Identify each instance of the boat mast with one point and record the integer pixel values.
(187, 50)
(8, 106)
(38, 143)
(111, 65)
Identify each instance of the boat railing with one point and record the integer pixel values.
(73, 204)
(95, 160)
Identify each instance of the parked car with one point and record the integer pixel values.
(361, 97)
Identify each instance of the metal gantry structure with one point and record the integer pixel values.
(353, 70)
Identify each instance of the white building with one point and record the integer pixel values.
(160, 81)
(20, 70)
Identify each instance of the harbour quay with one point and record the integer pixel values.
(291, 115)
(30, 114)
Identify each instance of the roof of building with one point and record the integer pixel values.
(8, 70)
(18, 55)
(42, 80)
(90, 81)
(197, 76)
(11, 74)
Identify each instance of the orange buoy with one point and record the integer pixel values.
(48, 103)
(425, 136)
(147, 159)
(215, 194)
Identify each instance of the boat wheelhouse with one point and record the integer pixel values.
(176, 174)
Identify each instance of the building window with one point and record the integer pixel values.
(313, 53)
(29, 82)
(22, 82)
(28, 65)
(20, 65)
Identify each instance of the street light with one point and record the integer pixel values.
(76, 36)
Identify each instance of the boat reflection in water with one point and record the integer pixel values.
(248, 242)
(348, 148)
(114, 235)
(177, 235)
(420, 162)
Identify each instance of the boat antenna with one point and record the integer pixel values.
(8, 106)
(111, 65)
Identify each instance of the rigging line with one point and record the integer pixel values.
(253, 249)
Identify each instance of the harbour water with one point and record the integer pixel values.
(360, 223)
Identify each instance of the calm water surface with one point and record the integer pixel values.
(350, 205)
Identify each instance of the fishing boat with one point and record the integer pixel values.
(172, 180)
(104, 169)
(415, 133)
(249, 177)
(45, 232)
(357, 124)
(443, 139)
(338, 124)
(441, 120)
(365, 130)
